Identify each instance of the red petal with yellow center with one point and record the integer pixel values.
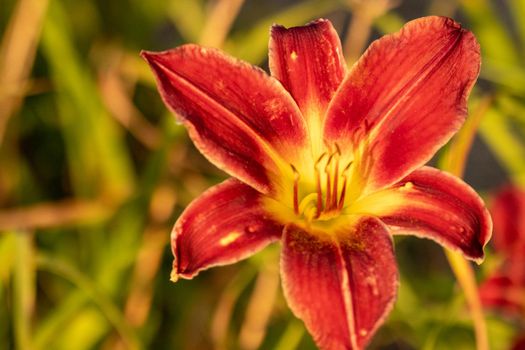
(430, 203)
(508, 212)
(404, 98)
(309, 63)
(222, 226)
(241, 119)
(341, 288)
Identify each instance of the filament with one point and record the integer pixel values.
(319, 188)
(297, 176)
(343, 190)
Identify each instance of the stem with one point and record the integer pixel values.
(454, 162)
(466, 279)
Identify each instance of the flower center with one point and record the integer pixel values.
(328, 199)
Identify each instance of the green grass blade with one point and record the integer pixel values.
(97, 153)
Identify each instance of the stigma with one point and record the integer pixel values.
(326, 197)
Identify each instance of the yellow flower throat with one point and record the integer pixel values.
(329, 191)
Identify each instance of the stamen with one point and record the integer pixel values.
(297, 176)
(328, 181)
(319, 189)
(337, 154)
(343, 190)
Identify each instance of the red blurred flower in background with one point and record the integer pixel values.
(328, 160)
(505, 288)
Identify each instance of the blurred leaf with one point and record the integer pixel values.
(389, 23)
(221, 331)
(7, 254)
(454, 158)
(501, 332)
(189, 18)
(17, 53)
(55, 323)
(252, 45)
(498, 134)
(291, 336)
(496, 43)
(97, 153)
(517, 10)
(88, 326)
(505, 74)
(513, 107)
(108, 308)
(24, 289)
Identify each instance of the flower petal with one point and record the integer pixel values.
(519, 343)
(430, 203)
(241, 119)
(501, 292)
(508, 211)
(342, 288)
(404, 98)
(308, 61)
(222, 226)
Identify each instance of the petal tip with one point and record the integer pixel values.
(320, 21)
(276, 27)
(174, 276)
(479, 260)
(147, 55)
(313, 23)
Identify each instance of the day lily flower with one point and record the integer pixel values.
(505, 288)
(330, 161)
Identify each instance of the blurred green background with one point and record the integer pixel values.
(94, 172)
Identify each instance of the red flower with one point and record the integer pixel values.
(505, 288)
(328, 160)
